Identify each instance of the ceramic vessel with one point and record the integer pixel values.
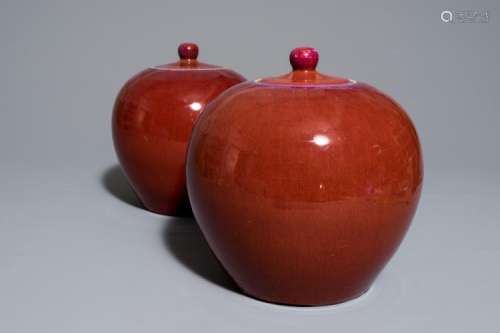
(153, 117)
(304, 184)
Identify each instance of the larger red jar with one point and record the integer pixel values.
(153, 118)
(304, 185)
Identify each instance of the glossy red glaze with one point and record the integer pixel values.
(152, 121)
(304, 58)
(304, 188)
(188, 51)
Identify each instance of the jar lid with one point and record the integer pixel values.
(304, 61)
(188, 59)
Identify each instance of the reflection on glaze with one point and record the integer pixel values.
(292, 223)
(321, 140)
(152, 123)
(324, 221)
(195, 106)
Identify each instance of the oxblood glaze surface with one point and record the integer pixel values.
(152, 122)
(304, 188)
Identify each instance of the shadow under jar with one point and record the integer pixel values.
(304, 184)
(153, 117)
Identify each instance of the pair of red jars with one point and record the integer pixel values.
(304, 184)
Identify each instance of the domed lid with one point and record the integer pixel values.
(188, 60)
(304, 61)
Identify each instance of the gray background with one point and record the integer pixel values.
(77, 253)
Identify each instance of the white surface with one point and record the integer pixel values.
(77, 258)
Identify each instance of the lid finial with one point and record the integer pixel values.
(188, 51)
(304, 59)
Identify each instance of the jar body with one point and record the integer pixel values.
(152, 121)
(304, 193)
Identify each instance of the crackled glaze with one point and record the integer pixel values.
(152, 122)
(304, 185)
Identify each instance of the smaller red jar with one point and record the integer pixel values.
(153, 117)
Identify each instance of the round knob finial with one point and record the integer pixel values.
(188, 51)
(304, 58)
